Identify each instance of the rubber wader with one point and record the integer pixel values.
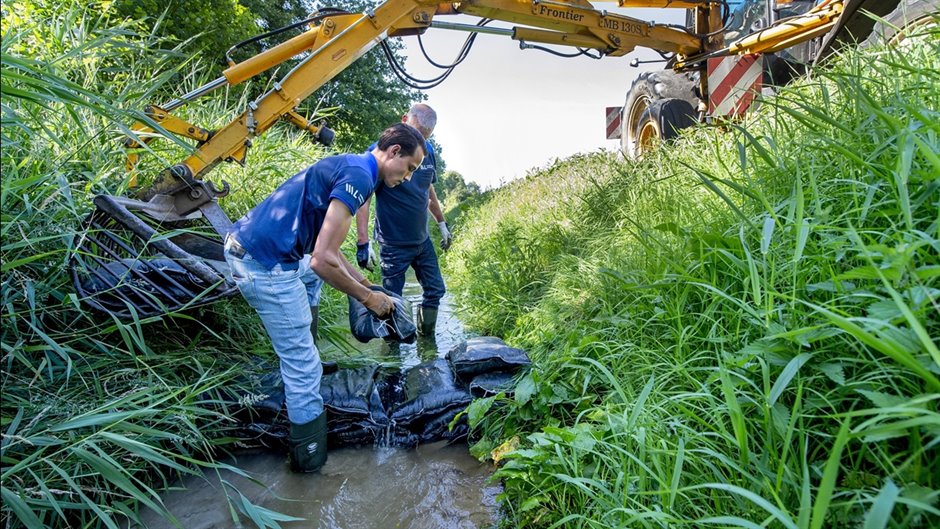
(427, 320)
(307, 445)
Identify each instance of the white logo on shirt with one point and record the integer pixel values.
(355, 193)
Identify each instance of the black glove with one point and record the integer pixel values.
(365, 256)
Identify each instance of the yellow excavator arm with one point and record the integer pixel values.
(335, 40)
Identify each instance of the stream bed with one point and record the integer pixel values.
(433, 486)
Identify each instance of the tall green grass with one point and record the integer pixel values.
(100, 415)
(737, 331)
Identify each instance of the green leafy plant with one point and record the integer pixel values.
(738, 330)
(100, 415)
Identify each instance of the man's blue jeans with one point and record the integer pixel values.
(282, 298)
(421, 257)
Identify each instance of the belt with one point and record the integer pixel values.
(233, 247)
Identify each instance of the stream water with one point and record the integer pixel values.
(434, 486)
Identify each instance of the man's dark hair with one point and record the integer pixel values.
(400, 134)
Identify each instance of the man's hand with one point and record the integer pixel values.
(365, 256)
(446, 237)
(379, 303)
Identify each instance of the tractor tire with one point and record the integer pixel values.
(857, 26)
(662, 121)
(648, 88)
(909, 15)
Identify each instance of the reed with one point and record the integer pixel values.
(738, 330)
(100, 415)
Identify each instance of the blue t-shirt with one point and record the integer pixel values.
(401, 212)
(284, 227)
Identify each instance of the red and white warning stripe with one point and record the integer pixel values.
(613, 122)
(733, 83)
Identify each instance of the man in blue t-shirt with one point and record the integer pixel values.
(401, 227)
(279, 251)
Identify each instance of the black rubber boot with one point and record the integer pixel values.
(427, 320)
(307, 444)
(315, 313)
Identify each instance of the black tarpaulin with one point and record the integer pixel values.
(162, 279)
(374, 405)
(485, 354)
(396, 327)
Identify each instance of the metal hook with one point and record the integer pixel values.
(217, 192)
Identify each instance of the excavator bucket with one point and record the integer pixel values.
(127, 263)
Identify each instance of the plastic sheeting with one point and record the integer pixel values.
(397, 327)
(485, 354)
(163, 279)
(374, 405)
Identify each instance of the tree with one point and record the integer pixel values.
(368, 99)
(367, 95)
(211, 26)
(441, 164)
(452, 189)
(365, 98)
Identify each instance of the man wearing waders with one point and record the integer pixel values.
(401, 228)
(274, 250)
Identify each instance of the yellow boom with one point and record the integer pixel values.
(336, 40)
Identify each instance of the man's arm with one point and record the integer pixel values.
(330, 264)
(362, 222)
(364, 254)
(434, 206)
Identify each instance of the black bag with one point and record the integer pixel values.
(439, 428)
(397, 327)
(428, 391)
(485, 354)
(352, 395)
(489, 384)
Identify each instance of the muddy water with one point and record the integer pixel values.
(449, 333)
(434, 486)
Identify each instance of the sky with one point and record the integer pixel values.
(506, 111)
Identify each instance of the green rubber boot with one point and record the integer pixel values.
(314, 323)
(427, 321)
(307, 445)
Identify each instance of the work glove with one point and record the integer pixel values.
(365, 256)
(379, 303)
(446, 237)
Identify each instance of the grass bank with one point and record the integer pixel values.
(98, 414)
(737, 331)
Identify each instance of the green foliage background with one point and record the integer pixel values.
(99, 414)
(738, 330)
(208, 27)
(358, 104)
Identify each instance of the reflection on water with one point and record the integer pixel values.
(448, 334)
(433, 486)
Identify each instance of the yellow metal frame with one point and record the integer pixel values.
(783, 34)
(340, 39)
(144, 134)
